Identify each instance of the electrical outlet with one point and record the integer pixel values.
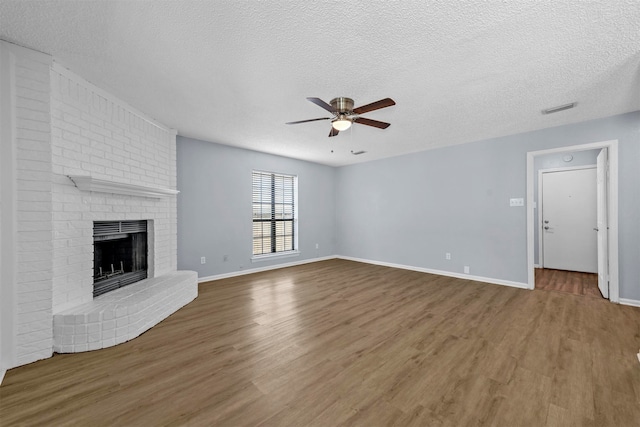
(466, 269)
(203, 260)
(447, 256)
(317, 246)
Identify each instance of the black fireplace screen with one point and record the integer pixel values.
(119, 254)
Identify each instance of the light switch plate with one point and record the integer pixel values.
(516, 202)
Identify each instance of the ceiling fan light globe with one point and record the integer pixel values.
(341, 124)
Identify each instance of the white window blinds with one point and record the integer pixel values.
(274, 212)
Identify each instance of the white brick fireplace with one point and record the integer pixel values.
(94, 135)
(56, 125)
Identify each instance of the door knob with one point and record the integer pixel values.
(596, 229)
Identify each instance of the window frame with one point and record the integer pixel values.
(273, 220)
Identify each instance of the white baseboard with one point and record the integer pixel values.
(441, 273)
(385, 264)
(631, 302)
(258, 270)
(2, 372)
(520, 285)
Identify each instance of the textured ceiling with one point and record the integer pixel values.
(233, 72)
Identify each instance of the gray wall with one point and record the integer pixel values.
(214, 206)
(554, 161)
(407, 210)
(412, 209)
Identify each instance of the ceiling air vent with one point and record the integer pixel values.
(357, 153)
(559, 108)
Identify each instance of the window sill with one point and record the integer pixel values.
(267, 257)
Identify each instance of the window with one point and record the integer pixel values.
(274, 213)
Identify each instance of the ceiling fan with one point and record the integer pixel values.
(344, 115)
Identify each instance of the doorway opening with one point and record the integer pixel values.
(566, 217)
(605, 228)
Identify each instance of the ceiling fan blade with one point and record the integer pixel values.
(374, 123)
(383, 103)
(333, 132)
(320, 103)
(310, 120)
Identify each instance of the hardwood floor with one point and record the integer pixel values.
(572, 282)
(343, 343)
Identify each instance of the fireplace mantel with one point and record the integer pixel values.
(88, 183)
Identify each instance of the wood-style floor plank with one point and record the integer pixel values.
(343, 343)
(571, 282)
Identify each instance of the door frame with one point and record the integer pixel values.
(539, 205)
(612, 145)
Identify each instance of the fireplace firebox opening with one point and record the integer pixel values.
(119, 254)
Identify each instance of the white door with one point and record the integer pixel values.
(569, 220)
(602, 223)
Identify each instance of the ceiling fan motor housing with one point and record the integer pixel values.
(342, 105)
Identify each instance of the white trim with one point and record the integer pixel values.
(440, 272)
(519, 285)
(614, 284)
(631, 302)
(612, 145)
(539, 206)
(260, 269)
(88, 183)
(60, 69)
(531, 206)
(275, 255)
(2, 373)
